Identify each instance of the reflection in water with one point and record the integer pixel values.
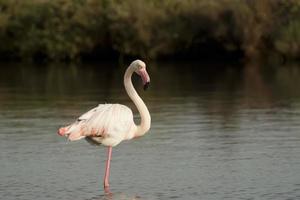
(116, 196)
(217, 132)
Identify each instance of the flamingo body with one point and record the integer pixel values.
(106, 124)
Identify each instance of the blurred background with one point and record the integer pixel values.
(224, 98)
(103, 29)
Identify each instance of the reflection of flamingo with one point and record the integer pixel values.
(109, 124)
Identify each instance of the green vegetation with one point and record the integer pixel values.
(73, 29)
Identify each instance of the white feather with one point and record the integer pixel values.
(107, 124)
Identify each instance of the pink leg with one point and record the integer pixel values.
(107, 169)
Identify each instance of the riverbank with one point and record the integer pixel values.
(65, 30)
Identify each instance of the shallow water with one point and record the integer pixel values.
(218, 132)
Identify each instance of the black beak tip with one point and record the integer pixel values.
(146, 86)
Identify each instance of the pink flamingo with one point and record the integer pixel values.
(110, 124)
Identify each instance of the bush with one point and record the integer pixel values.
(68, 29)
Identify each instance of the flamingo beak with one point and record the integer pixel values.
(146, 86)
(145, 77)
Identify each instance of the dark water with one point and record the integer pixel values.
(217, 133)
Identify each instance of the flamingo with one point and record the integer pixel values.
(110, 124)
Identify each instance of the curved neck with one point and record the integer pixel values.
(139, 103)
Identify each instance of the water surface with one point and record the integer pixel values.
(218, 132)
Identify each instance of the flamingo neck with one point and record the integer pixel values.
(139, 103)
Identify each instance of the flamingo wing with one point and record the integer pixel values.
(107, 121)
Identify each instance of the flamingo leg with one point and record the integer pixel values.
(107, 170)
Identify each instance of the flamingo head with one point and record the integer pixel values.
(140, 68)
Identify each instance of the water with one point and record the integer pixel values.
(218, 132)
